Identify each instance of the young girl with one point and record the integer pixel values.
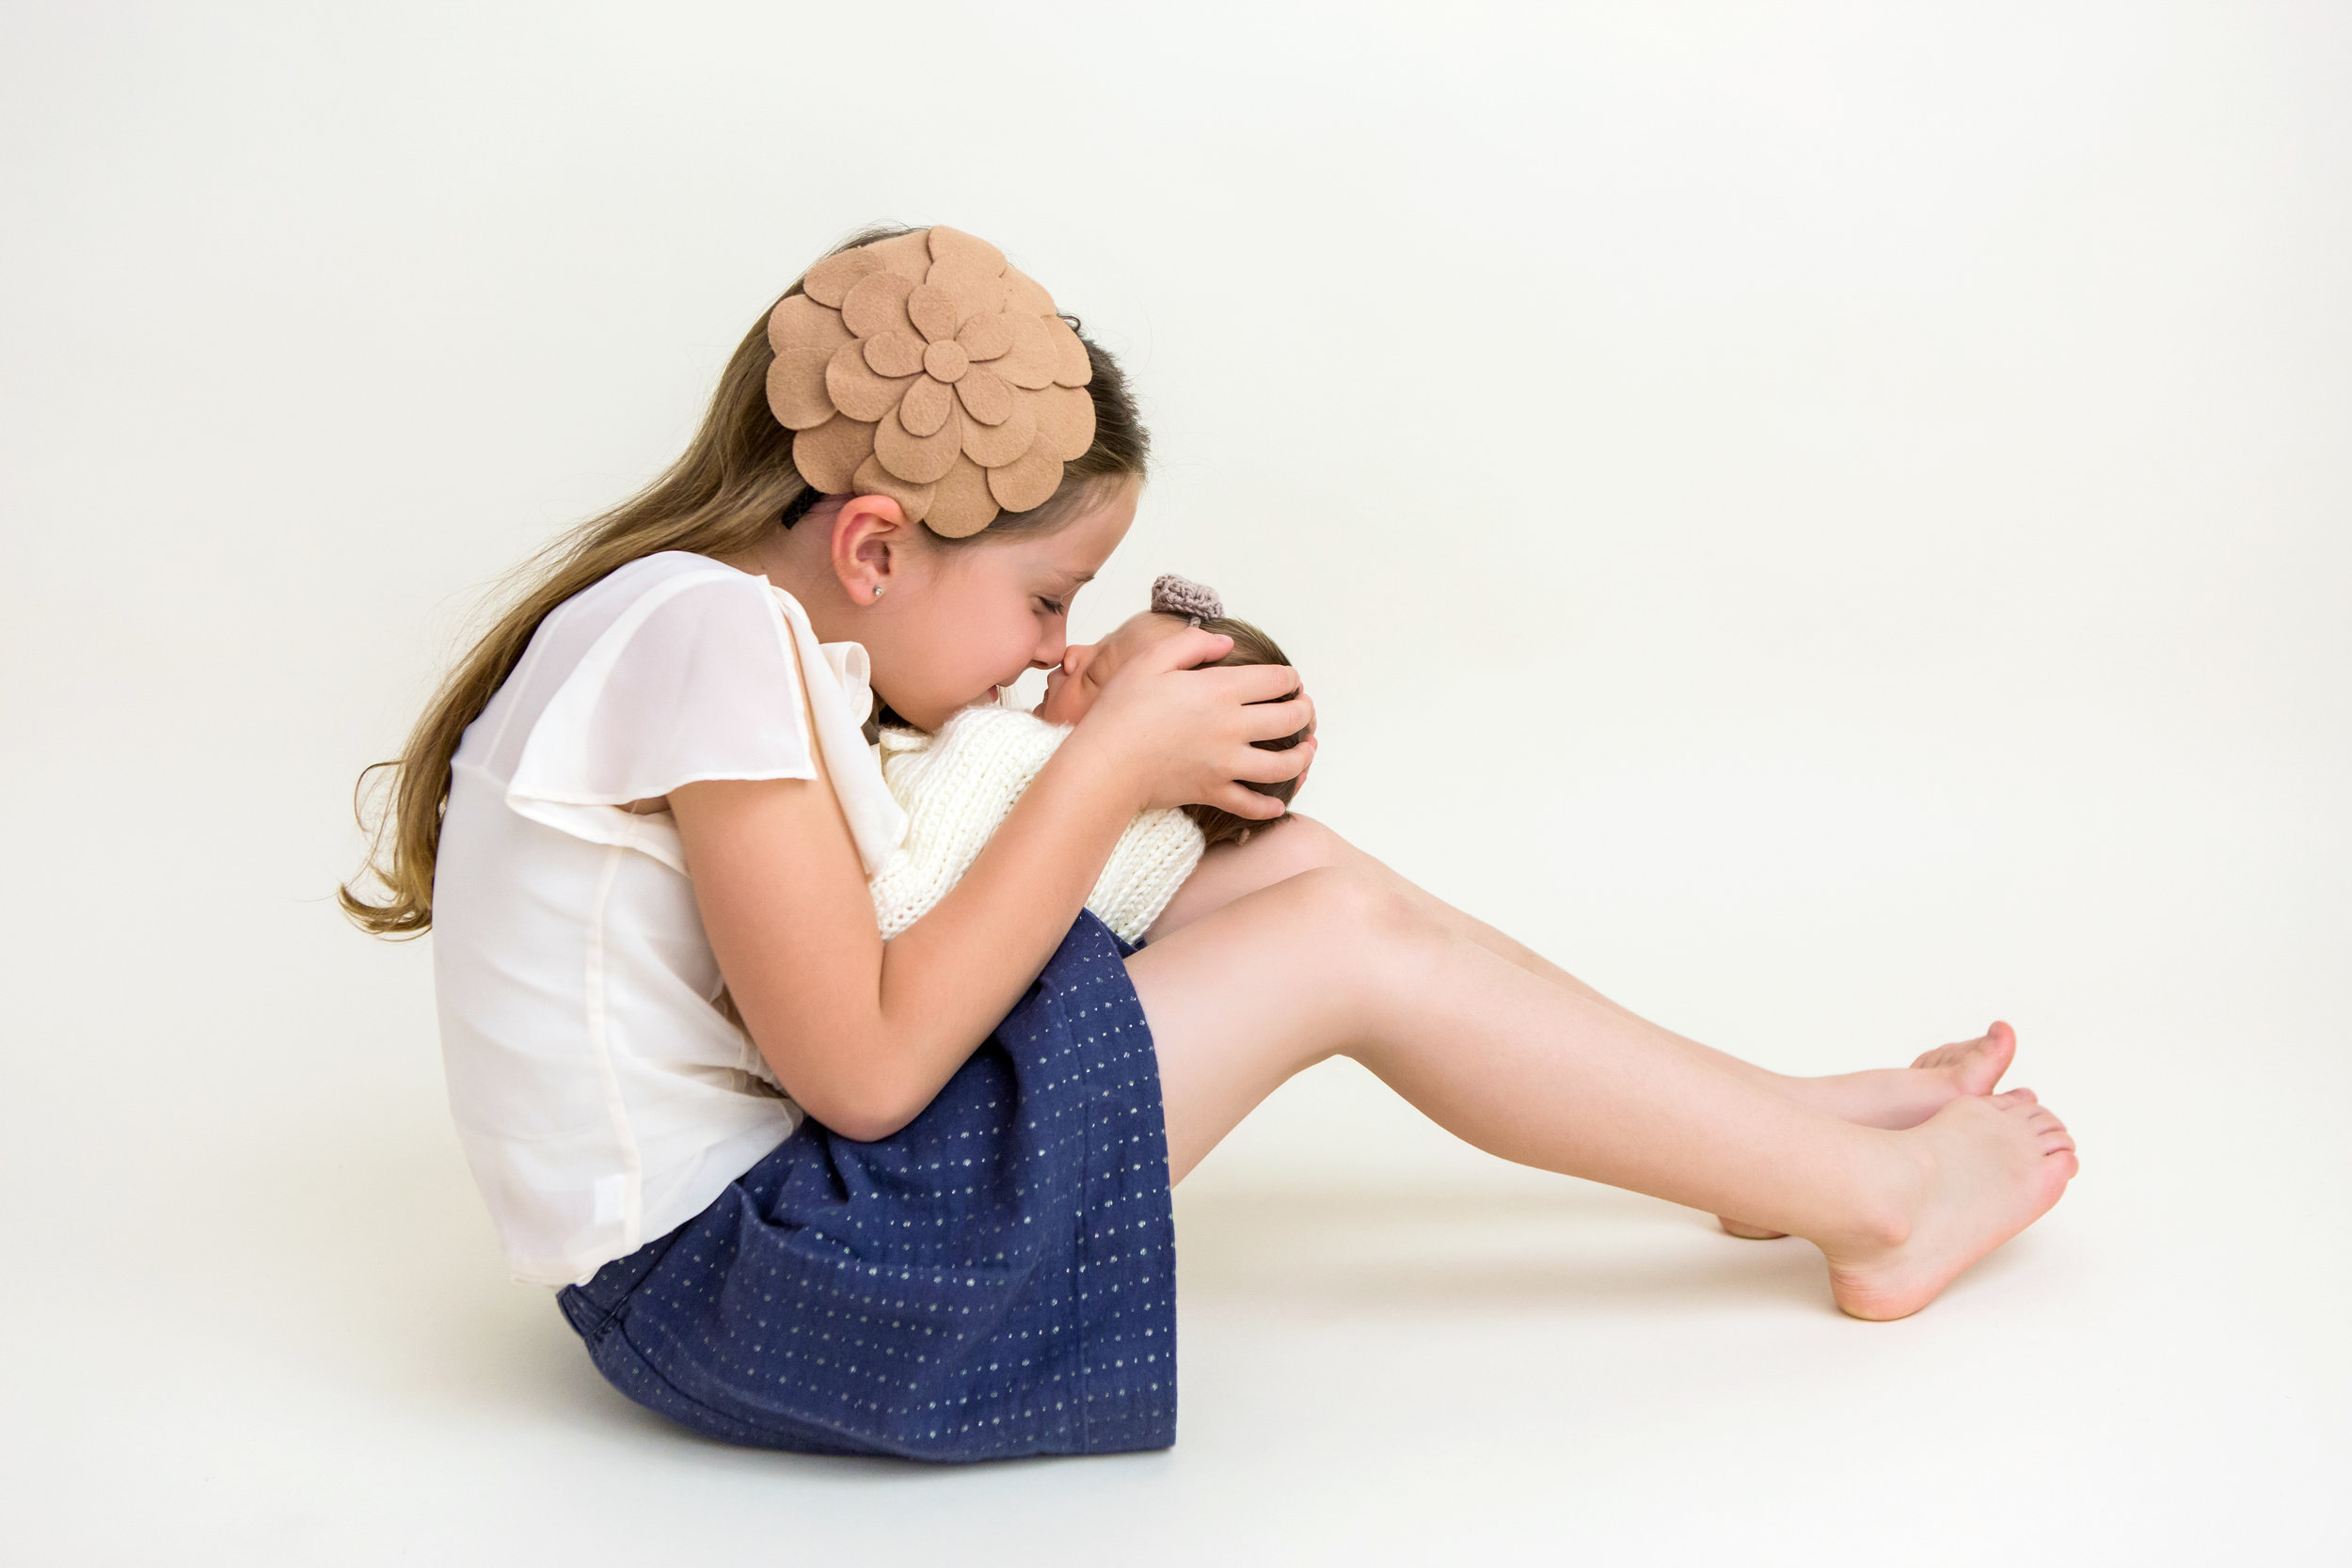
(650, 785)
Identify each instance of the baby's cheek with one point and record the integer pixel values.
(1065, 705)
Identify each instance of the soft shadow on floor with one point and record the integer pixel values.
(413, 1313)
(1567, 1247)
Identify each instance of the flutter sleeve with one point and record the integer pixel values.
(700, 678)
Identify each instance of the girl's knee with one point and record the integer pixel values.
(1316, 845)
(1358, 901)
(1287, 848)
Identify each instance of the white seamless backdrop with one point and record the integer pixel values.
(1827, 519)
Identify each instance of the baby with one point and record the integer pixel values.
(958, 784)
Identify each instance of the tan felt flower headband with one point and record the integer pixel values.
(924, 368)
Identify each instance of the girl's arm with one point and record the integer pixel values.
(863, 1033)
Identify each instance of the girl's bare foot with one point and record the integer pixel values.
(1898, 1098)
(1989, 1166)
(1972, 1067)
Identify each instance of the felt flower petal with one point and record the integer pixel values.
(924, 368)
(873, 479)
(1065, 421)
(946, 361)
(1070, 366)
(961, 504)
(796, 388)
(926, 407)
(985, 337)
(917, 459)
(800, 321)
(830, 280)
(993, 446)
(876, 304)
(1032, 358)
(1030, 481)
(908, 255)
(954, 245)
(1025, 296)
(830, 455)
(984, 395)
(894, 354)
(976, 292)
(856, 391)
(933, 312)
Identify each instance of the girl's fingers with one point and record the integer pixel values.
(1248, 683)
(1277, 720)
(1245, 802)
(1182, 651)
(1261, 765)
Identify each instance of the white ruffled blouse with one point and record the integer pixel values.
(600, 1097)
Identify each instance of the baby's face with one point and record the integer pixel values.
(1071, 690)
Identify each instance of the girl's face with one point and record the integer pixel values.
(967, 620)
(1072, 687)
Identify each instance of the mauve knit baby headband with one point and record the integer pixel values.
(1195, 602)
(925, 369)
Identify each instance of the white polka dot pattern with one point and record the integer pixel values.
(995, 1279)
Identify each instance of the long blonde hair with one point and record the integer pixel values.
(727, 492)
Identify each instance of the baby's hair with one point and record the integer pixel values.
(1250, 646)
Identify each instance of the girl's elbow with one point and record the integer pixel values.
(862, 1109)
(860, 1082)
(869, 1122)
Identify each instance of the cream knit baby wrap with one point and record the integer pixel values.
(960, 784)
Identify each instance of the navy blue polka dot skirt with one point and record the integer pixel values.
(997, 1278)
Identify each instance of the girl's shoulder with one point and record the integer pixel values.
(670, 667)
(674, 617)
(658, 576)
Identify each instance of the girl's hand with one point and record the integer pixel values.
(1181, 736)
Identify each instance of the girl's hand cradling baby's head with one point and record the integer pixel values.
(1191, 735)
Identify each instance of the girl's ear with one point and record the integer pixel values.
(870, 540)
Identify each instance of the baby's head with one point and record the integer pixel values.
(1071, 692)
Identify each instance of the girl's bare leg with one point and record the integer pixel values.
(1886, 1097)
(1335, 961)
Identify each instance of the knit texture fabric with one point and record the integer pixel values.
(958, 786)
